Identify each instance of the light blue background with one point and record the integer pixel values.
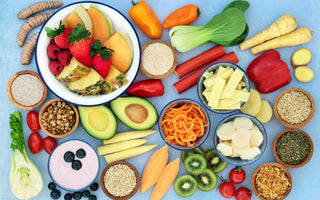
(306, 180)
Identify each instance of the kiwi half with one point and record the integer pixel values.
(197, 150)
(185, 185)
(207, 180)
(215, 163)
(195, 164)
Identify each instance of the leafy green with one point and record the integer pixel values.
(241, 5)
(25, 178)
(238, 40)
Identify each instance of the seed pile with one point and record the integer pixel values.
(120, 180)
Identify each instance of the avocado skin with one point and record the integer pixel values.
(102, 135)
(118, 107)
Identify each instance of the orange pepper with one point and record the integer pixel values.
(144, 17)
(182, 16)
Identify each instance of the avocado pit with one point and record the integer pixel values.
(136, 113)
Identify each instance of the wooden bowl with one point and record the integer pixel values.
(270, 164)
(44, 108)
(275, 155)
(145, 72)
(134, 190)
(285, 123)
(14, 102)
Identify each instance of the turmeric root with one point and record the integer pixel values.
(38, 7)
(31, 23)
(28, 49)
(283, 25)
(299, 36)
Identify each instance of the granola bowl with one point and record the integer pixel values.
(58, 118)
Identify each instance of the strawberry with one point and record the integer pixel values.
(60, 35)
(80, 45)
(101, 58)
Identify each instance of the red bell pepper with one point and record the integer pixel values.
(146, 88)
(269, 72)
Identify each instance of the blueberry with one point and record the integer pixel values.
(76, 165)
(68, 156)
(68, 196)
(81, 153)
(77, 195)
(94, 187)
(52, 186)
(92, 197)
(55, 194)
(86, 193)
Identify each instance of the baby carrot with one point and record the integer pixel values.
(182, 16)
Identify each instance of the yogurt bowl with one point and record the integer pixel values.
(65, 170)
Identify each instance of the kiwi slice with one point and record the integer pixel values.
(195, 164)
(207, 180)
(215, 163)
(185, 185)
(197, 150)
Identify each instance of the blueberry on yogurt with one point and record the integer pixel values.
(68, 156)
(81, 153)
(76, 165)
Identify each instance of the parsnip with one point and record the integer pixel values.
(299, 36)
(301, 57)
(304, 74)
(120, 146)
(122, 155)
(283, 25)
(129, 135)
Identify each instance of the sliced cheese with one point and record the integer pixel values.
(240, 95)
(232, 83)
(216, 92)
(227, 74)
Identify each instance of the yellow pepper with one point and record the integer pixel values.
(144, 17)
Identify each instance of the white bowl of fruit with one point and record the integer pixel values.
(88, 53)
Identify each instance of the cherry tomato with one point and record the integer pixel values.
(243, 193)
(227, 189)
(35, 142)
(237, 175)
(49, 144)
(33, 121)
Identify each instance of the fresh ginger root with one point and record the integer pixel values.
(28, 48)
(31, 23)
(304, 74)
(301, 57)
(38, 7)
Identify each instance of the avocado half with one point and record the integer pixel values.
(135, 112)
(98, 121)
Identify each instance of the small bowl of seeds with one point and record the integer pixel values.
(58, 118)
(294, 107)
(292, 148)
(120, 180)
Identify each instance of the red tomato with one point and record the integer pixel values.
(237, 175)
(35, 142)
(243, 193)
(49, 144)
(33, 121)
(227, 189)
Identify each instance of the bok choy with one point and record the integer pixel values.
(25, 178)
(228, 28)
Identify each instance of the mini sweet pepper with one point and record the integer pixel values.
(144, 17)
(146, 88)
(269, 72)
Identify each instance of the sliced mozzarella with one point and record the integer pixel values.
(241, 137)
(256, 138)
(250, 154)
(226, 131)
(225, 148)
(242, 122)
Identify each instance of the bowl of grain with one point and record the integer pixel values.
(158, 59)
(26, 90)
(271, 181)
(120, 180)
(292, 148)
(294, 107)
(58, 118)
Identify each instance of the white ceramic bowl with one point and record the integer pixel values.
(120, 23)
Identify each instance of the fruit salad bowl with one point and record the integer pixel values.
(118, 25)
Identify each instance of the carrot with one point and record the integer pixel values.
(182, 16)
(166, 179)
(184, 124)
(198, 61)
(152, 171)
(283, 25)
(192, 79)
(299, 36)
